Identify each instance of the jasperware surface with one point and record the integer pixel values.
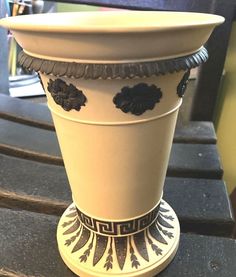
(110, 37)
(115, 131)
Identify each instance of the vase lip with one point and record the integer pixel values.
(110, 21)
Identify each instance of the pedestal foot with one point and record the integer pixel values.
(145, 254)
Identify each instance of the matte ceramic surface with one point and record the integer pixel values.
(99, 37)
(114, 83)
(112, 158)
(144, 254)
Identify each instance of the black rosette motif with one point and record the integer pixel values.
(67, 96)
(183, 84)
(137, 99)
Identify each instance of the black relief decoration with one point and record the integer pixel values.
(170, 217)
(121, 250)
(112, 71)
(106, 228)
(163, 222)
(67, 96)
(165, 232)
(72, 239)
(133, 258)
(154, 247)
(155, 233)
(100, 247)
(118, 228)
(109, 260)
(140, 243)
(67, 223)
(163, 210)
(73, 228)
(84, 257)
(137, 99)
(84, 237)
(134, 247)
(183, 84)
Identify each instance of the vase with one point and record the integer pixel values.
(114, 83)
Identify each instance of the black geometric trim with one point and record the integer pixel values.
(112, 71)
(122, 247)
(118, 228)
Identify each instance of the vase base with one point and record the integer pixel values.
(144, 254)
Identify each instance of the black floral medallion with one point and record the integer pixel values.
(67, 96)
(133, 249)
(137, 99)
(183, 84)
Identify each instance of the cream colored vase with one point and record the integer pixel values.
(114, 83)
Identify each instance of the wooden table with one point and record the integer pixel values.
(34, 192)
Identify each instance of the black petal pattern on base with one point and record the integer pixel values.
(127, 249)
(83, 239)
(137, 99)
(121, 250)
(101, 245)
(139, 240)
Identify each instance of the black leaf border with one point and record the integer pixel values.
(152, 239)
(112, 71)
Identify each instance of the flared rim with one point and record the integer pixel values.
(110, 22)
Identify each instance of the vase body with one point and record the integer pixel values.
(114, 94)
(113, 158)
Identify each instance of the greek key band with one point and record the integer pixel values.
(121, 228)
